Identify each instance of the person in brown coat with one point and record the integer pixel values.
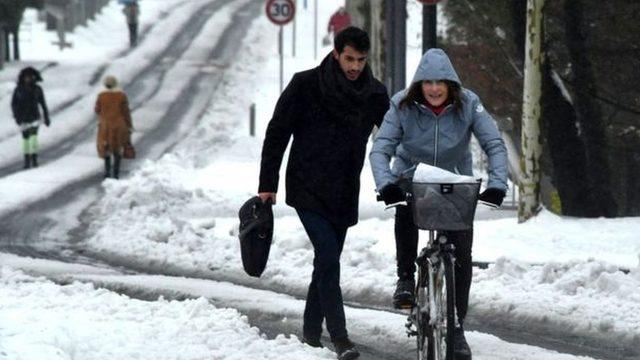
(114, 129)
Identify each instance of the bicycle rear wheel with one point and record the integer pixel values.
(440, 328)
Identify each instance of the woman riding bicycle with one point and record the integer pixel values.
(432, 122)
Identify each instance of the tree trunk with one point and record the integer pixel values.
(531, 147)
(588, 112)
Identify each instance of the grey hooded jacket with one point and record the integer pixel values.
(415, 134)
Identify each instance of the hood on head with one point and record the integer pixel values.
(29, 71)
(435, 65)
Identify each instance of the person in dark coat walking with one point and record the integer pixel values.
(131, 12)
(330, 111)
(27, 96)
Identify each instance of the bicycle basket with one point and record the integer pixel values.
(439, 206)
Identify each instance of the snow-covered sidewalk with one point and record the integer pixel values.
(78, 321)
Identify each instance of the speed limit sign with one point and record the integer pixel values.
(280, 12)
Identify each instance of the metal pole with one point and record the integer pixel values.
(389, 40)
(429, 24)
(252, 120)
(2, 48)
(315, 29)
(401, 44)
(280, 51)
(16, 44)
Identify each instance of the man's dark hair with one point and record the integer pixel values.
(354, 37)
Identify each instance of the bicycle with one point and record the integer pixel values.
(438, 208)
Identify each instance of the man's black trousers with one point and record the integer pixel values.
(324, 299)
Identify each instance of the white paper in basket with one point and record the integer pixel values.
(431, 174)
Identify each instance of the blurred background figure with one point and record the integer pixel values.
(131, 11)
(24, 104)
(114, 128)
(339, 21)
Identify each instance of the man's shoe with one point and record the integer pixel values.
(345, 349)
(403, 296)
(313, 342)
(461, 349)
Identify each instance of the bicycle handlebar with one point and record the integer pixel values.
(379, 199)
(400, 203)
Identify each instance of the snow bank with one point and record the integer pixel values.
(77, 321)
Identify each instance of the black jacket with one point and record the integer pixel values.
(330, 128)
(25, 101)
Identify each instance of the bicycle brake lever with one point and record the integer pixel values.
(488, 204)
(399, 203)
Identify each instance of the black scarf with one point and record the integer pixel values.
(343, 98)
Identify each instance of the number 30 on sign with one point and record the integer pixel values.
(280, 12)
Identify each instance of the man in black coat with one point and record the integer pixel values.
(330, 111)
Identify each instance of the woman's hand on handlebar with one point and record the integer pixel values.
(392, 194)
(492, 197)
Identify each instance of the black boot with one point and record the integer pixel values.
(312, 341)
(107, 166)
(345, 349)
(403, 296)
(461, 349)
(27, 161)
(116, 166)
(34, 160)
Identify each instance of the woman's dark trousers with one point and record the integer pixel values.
(407, 250)
(324, 299)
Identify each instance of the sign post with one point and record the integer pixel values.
(280, 12)
(429, 21)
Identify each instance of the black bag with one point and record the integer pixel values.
(256, 233)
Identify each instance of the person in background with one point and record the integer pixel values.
(339, 21)
(115, 126)
(330, 111)
(432, 122)
(132, 11)
(24, 105)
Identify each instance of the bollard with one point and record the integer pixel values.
(252, 120)
(90, 7)
(82, 13)
(67, 20)
(2, 48)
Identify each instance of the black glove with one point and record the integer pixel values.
(392, 193)
(47, 122)
(492, 197)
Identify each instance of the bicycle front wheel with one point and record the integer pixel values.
(421, 313)
(442, 323)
